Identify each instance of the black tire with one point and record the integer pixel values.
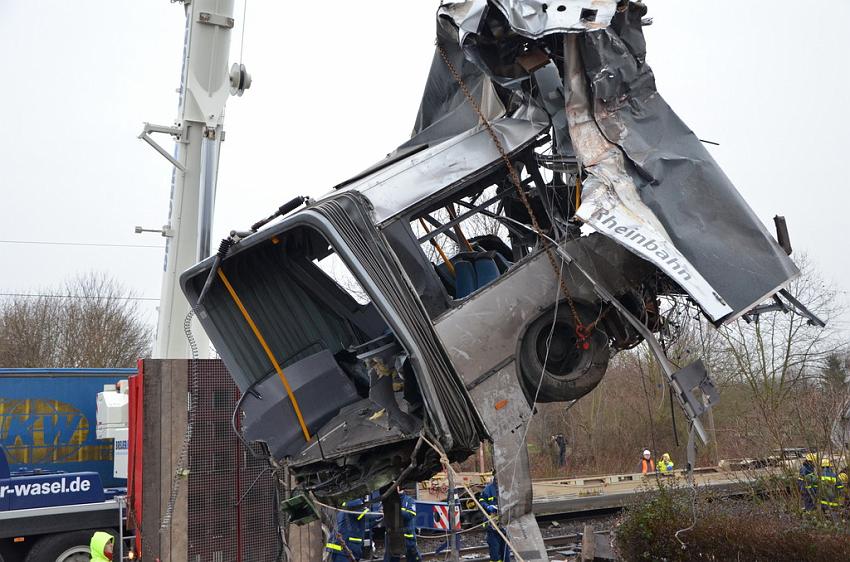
(64, 547)
(571, 371)
(11, 551)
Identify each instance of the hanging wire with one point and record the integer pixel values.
(84, 244)
(648, 406)
(244, 21)
(542, 370)
(76, 297)
(693, 485)
(342, 510)
(181, 470)
(444, 460)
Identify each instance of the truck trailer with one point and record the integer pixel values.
(58, 479)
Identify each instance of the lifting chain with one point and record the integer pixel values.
(582, 332)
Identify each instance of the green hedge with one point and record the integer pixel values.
(751, 530)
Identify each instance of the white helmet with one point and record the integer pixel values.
(646, 453)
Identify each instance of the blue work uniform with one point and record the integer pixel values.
(807, 483)
(408, 517)
(499, 551)
(375, 506)
(830, 488)
(350, 528)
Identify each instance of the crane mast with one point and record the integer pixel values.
(198, 131)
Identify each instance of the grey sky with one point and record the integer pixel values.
(766, 81)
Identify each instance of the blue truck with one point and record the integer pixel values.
(56, 478)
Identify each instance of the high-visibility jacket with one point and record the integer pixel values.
(499, 551)
(351, 528)
(665, 466)
(408, 516)
(829, 487)
(647, 466)
(490, 497)
(97, 544)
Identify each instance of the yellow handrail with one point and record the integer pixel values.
(268, 351)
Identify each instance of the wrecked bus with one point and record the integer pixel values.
(546, 205)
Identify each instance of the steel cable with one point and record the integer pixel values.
(181, 471)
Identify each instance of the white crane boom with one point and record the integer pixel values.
(198, 130)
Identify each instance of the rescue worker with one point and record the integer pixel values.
(561, 442)
(346, 542)
(408, 517)
(101, 546)
(665, 465)
(807, 481)
(499, 551)
(374, 503)
(829, 487)
(646, 463)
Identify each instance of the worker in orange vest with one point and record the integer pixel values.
(646, 464)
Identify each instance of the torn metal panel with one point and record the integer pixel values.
(506, 412)
(396, 188)
(443, 112)
(661, 187)
(611, 202)
(552, 96)
(457, 20)
(536, 19)
(358, 427)
(706, 218)
(694, 378)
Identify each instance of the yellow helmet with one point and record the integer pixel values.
(825, 462)
(811, 457)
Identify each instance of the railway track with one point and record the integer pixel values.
(554, 544)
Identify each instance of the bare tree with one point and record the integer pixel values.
(780, 358)
(835, 371)
(92, 321)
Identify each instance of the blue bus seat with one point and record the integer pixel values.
(465, 279)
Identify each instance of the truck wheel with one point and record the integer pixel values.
(64, 547)
(11, 551)
(571, 371)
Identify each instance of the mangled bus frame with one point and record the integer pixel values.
(543, 118)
